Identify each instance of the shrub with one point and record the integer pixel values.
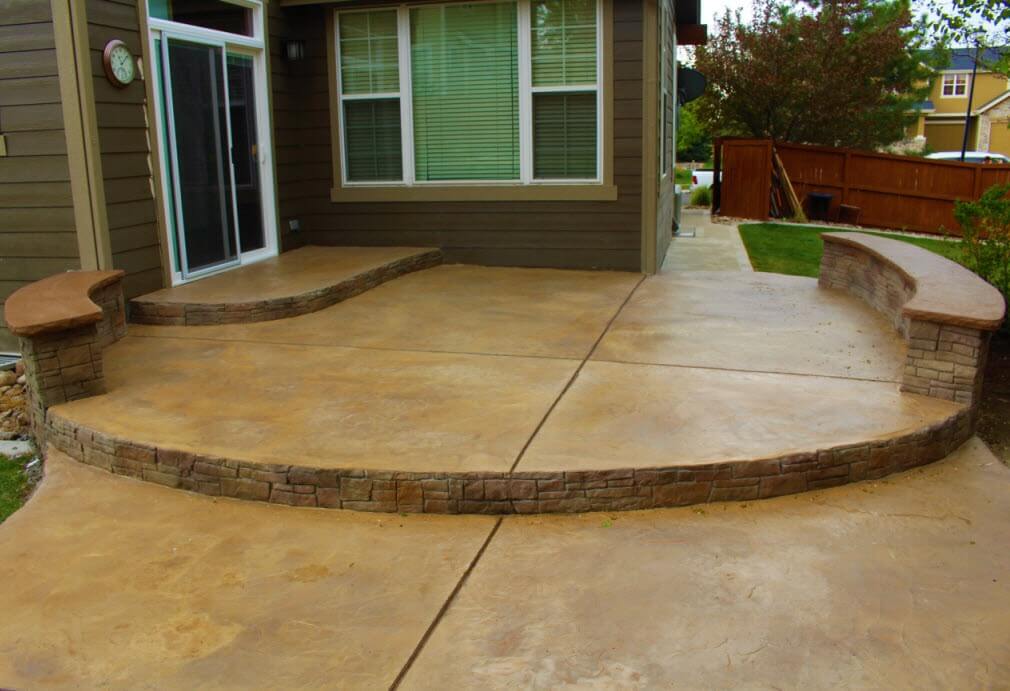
(986, 241)
(701, 196)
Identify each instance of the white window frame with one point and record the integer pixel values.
(955, 81)
(250, 46)
(526, 92)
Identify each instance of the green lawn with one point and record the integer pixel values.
(787, 249)
(13, 485)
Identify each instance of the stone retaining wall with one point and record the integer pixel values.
(194, 314)
(943, 360)
(518, 492)
(66, 365)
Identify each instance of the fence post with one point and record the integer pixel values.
(717, 176)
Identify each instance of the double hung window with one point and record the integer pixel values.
(495, 92)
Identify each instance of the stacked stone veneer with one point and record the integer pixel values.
(65, 365)
(516, 492)
(151, 311)
(943, 360)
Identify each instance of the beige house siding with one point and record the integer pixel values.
(37, 231)
(988, 86)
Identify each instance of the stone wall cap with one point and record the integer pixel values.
(945, 291)
(57, 303)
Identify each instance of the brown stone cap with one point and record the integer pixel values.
(945, 291)
(58, 302)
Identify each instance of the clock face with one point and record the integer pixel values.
(120, 65)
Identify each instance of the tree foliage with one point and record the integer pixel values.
(963, 22)
(694, 141)
(985, 245)
(831, 72)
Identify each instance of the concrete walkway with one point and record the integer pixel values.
(114, 583)
(714, 247)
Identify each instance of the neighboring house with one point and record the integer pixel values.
(941, 119)
(176, 138)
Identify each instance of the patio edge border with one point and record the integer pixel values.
(517, 492)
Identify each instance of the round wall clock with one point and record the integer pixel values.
(120, 67)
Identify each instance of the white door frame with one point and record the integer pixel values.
(249, 46)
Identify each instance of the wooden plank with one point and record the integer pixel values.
(30, 64)
(18, 37)
(29, 90)
(34, 268)
(33, 194)
(45, 143)
(49, 219)
(34, 169)
(25, 12)
(31, 118)
(63, 244)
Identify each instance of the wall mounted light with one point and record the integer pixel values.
(294, 50)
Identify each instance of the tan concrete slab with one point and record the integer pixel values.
(292, 273)
(714, 247)
(900, 584)
(115, 583)
(323, 407)
(620, 416)
(753, 321)
(472, 309)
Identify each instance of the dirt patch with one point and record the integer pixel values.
(994, 412)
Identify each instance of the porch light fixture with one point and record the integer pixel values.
(294, 50)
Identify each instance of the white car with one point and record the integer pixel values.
(970, 157)
(702, 178)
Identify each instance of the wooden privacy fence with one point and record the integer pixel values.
(897, 192)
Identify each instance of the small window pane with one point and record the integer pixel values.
(368, 56)
(209, 14)
(564, 42)
(372, 136)
(564, 136)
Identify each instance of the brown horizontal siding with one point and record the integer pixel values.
(568, 234)
(124, 143)
(37, 232)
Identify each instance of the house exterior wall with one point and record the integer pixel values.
(570, 234)
(988, 85)
(37, 231)
(948, 136)
(124, 151)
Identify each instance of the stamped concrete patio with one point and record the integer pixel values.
(110, 582)
(460, 369)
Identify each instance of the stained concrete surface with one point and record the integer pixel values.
(408, 376)
(454, 308)
(292, 273)
(756, 322)
(618, 415)
(324, 406)
(903, 583)
(116, 583)
(898, 584)
(714, 247)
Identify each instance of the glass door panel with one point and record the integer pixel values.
(245, 151)
(198, 130)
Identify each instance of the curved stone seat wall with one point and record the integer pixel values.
(64, 322)
(945, 312)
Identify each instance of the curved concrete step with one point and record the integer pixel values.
(301, 281)
(520, 492)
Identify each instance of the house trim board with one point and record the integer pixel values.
(70, 28)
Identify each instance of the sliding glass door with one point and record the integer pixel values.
(214, 146)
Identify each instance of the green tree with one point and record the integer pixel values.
(694, 141)
(831, 72)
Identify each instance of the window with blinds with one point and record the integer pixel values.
(464, 96)
(563, 48)
(370, 96)
(465, 85)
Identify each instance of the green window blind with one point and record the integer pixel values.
(369, 64)
(372, 136)
(563, 42)
(464, 69)
(565, 123)
(564, 135)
